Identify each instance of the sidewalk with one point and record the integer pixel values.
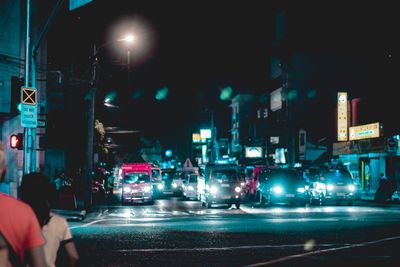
(369, 196)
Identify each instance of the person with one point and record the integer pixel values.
(3, 251)
(382, 193)
(36, 191)
(20, 229)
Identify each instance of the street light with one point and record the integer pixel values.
(90, 98)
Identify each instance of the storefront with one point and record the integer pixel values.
(367, 159)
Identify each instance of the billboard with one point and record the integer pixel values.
(365, 131)
(276, 99)
(342, 117)
(253, 152)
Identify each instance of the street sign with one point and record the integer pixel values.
(28, 96)
(41, 123)
(28, 116)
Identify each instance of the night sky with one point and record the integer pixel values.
(197, 48)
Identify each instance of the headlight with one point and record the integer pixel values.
(352, 188)
(160, 186)
(238, 189)
(277, 189)
(190, 188)
(127, 189)
(174, 185)
(307, 187)
(147, 189)
(242, 184)
(330, 187)
(213, 190)
(301, 190)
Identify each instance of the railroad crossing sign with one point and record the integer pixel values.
(28, 107)
(28, 96)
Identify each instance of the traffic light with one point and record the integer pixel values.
(17, 141)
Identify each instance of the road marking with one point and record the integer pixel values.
(220, 248)
(127, 219)
(302, 255)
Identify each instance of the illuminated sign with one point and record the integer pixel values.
(205, 133)
(366, 131)
(276, 99)
(253, 152)
(196, 138)
(342, 117)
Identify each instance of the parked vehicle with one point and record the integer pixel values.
(220, 185)
(334, 185)
(98, 191)
(190, 187)
(136, 183)
(278, 186)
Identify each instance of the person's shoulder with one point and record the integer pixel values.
(58, 219)
(14, 203)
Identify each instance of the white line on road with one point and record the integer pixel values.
(220, 248)
(127, 219)
(302, 255)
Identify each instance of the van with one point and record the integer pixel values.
(136, 181)
(220, 185)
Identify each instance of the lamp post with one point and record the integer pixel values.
(90, 104)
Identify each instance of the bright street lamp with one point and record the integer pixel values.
(129, 38)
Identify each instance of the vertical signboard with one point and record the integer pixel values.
(302, 144)
(342, 117)
(28, 107)
(276, 99)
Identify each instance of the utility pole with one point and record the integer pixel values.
(290, 142)
(90, 106)
(26, 165)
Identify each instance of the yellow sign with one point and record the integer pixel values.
(28, 96)
(196, 138)
(366, 131)
(342, 118)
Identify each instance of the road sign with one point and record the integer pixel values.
(28, 96)
(28, 116)
(41, 123)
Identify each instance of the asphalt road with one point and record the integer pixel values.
(173, 232)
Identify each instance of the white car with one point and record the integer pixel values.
(190, 187)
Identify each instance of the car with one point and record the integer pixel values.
(220, 185)
(334, 185)
(157, 182)
(282, 186)
(190, 187)
(167, 176)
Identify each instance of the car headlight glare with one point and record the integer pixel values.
(174, 185)
(160, 186)
(213, 190)
(127, 189)
(147, 189)
(301, 190)
(330, 187)
(242, 184)
(190, 188)
(238, 189)
(352, 188)
(277, 189)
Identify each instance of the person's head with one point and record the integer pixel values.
(382, 174)
(37, 192)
